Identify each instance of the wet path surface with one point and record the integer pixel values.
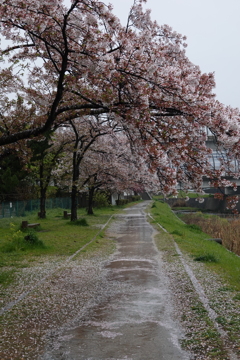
(134, 323)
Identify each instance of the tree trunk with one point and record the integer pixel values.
(75, 177)
(74, 203)
(42, 213)
(43, 191)
(90, 200)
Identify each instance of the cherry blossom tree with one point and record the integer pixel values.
(56, 48)
(106, 161)
(81, 61)
(112, 166)
(82, 133)
(46, 154)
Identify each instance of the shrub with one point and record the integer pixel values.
(101, 199)
(135, 198)
(32, 237)
(79, 222)
(206, 258)
(194, 227)
(21, 241)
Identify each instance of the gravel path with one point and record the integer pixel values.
(70, 294)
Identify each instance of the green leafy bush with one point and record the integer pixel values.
(21, 241)
(135, 198)
(101, 199)
(79, 222)
(210, 258)
(32, 239)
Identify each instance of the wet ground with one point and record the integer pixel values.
(135, 322)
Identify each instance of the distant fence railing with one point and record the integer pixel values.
(20, 208)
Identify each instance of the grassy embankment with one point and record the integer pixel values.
(218, 272)
(192, 240)
(227, 229)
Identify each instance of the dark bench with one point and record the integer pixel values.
(66, 215)
(25, 225)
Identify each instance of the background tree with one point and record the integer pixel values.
(84, 132)
(110, 165)
(15, 181)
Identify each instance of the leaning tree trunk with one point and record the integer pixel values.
(90, 200)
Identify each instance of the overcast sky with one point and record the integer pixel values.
(212, 28)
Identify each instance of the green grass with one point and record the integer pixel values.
(183, 194)
(56, 237)
(193, 241)
(185, 208)
(79, 222)
(6, 277)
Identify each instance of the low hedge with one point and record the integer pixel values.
(132, 198)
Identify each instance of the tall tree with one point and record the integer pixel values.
(89, 64)
(46, 153)
(83, 133)
(109, 164)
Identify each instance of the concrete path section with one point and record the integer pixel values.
(135, 323)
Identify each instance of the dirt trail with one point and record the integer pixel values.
(133, 321)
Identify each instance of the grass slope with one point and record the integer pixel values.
(196, 243)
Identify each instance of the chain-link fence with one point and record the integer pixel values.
(20, 208)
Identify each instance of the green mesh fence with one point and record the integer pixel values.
(20, 208)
